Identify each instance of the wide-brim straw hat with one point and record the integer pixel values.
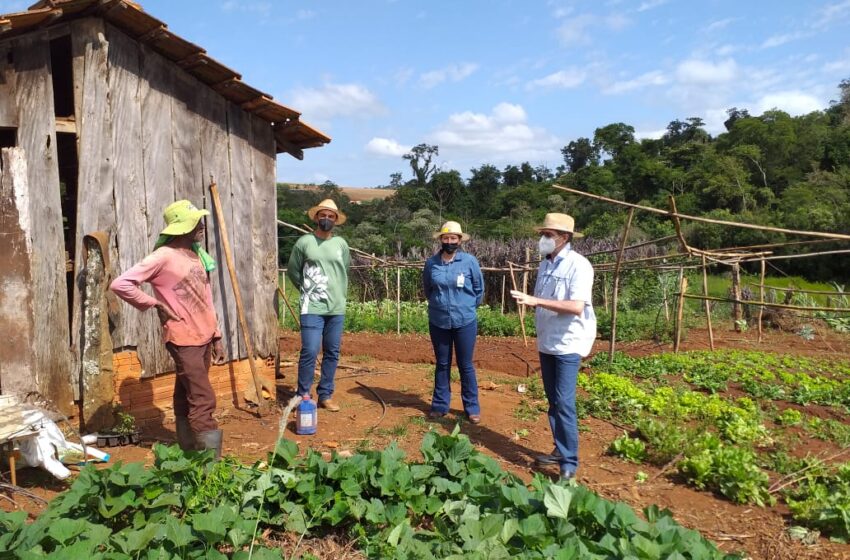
(560, 222)
(181, 217)
(327, 204)
(451, 228)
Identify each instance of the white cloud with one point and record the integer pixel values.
(725, 50)
(842, 65)
(616, 22)
(562, 12)
(833, 13)
(503, 134)
(403, 75)
(793, 102)
(386, 147)
(574, 30)
(563, 79)
(650, 134)
(719, 24)
(452, 72)
(261, 8)
(305, 14)
(335, 100)
(779, 40)
(694, 71)
(654, 78)
(650, 4)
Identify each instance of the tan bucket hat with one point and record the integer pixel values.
(560, 222)
(327, 204)
(451, 227)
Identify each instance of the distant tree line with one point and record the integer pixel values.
(770, 169)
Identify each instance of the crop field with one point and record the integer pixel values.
(739, 452)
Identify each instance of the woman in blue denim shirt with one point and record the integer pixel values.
(454, 287)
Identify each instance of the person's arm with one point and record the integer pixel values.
(426, 279)
(127, 288)
(574, 307)
(294, 269)
(477, 282)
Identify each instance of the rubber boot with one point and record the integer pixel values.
(210, 440)
(185, 437)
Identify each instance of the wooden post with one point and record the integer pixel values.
(707, 304)
(736, 295)
(761, 298)
(398, 301)
(664, 299)
(605, 291)
(503, 294)
(616, 287)
(246, 337)
(280, 305)
(683, 287)
(386, 284)
(521, 307)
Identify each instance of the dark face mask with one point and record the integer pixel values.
(326, 224)
(450, 248)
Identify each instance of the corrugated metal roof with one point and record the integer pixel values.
(292, 135)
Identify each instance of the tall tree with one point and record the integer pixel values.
(614, 138)
(420, 158)
(580, 153)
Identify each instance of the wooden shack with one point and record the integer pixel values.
(106, 117)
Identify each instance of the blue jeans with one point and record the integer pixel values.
(317, 331)
(463, 341)
(559, 382)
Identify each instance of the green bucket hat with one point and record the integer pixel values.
(181, 217)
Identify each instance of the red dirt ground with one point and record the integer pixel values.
(398, 369)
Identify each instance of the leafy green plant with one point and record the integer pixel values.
(789, 417)
(629, 448)
(823, 502)
(730, 471)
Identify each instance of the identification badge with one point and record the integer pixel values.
(460, 280)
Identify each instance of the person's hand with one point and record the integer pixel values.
(166, 313)
(218, 355)
(523, 298)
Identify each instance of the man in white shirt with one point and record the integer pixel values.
(566, 329)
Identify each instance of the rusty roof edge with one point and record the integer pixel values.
(284, 139)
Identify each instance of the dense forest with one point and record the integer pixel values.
(770, 169)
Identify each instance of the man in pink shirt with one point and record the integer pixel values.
(177, 272)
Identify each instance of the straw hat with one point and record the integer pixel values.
(560, 222)
(181, 217)
(327, 204)
(453, 228)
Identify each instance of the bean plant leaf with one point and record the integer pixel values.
(557, 501)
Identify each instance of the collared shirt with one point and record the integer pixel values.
(453, 289)
(567, 276)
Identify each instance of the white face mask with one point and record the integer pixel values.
(546, 245)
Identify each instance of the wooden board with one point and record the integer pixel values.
(265, 239)
(242, 185)
(134, 328)
(8, 107)
(95, 198)
(185, 138)
(37, 136)
(216, 162)
(17, 354)
(157, 170)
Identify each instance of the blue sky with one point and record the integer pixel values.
(506, 81)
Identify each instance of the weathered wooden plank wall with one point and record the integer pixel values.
(95, 197)
(8, 107)
(186, 139)
(265, 239)
(134, 328)
(16, 295)
(242, 205)
(158, 173)
(37, 136)
(215, 162)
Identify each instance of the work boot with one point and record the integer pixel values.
(553, 458)
(329, 405)
(210, 440)
(185, 437)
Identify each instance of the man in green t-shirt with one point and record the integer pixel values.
(318, 266)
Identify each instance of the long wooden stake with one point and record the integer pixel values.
(521, 307)
(503, 295)
(616, 287)
(761, 297)
(706, 220)
(288, 306)
(398, 301)
(736, 293)
(246, 337)
(769, 304)
(707, 304)
(683, 287)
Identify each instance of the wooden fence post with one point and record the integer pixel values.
(683, 287)
(503, 294)
(761, 298)
(736, 295)
(616, 287)
(707, 304)
(398, 301)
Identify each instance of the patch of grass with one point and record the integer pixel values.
(529, 410)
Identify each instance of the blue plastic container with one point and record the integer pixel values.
(307, 417)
